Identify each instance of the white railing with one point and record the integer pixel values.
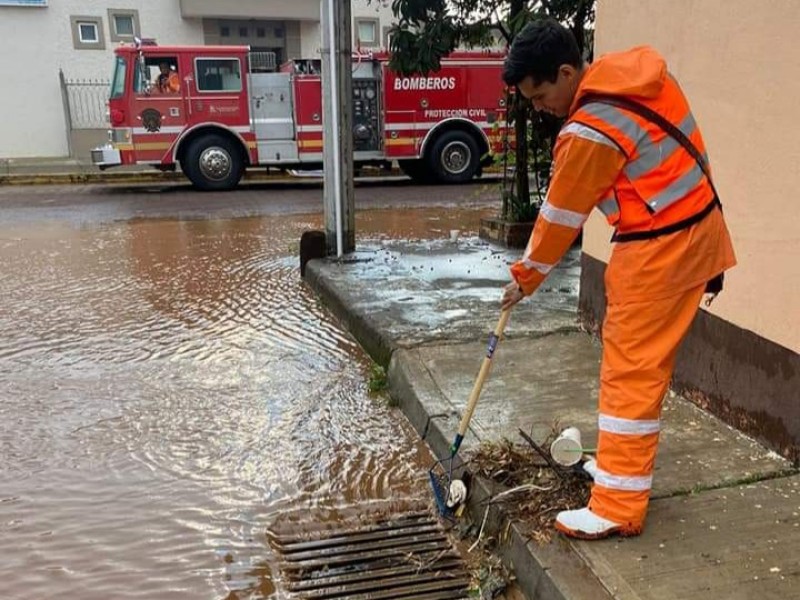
(263, 62)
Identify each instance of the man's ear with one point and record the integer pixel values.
(568, 72)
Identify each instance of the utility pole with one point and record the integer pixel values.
(337, 96)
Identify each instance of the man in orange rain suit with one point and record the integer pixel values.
(167, 81)
(670, 233)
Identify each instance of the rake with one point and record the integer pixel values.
(441, 473)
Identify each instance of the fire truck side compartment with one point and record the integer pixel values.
(272, 115)
(367, 124)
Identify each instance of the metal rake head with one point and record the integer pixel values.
(441, 476)
(441, 492)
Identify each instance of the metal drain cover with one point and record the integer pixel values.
(369, 553)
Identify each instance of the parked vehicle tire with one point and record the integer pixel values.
(213, 163)
(454, 157)
(417, 169)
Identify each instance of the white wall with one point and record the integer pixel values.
(311, 33)
(36, 42)
(310, 39)
(376, 9)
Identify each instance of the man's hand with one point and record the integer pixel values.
(511, 295)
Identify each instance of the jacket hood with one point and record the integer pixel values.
(639, 72)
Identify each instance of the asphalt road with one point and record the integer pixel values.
(171, 385)
(107, 203)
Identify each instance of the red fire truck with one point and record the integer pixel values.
(217, 110)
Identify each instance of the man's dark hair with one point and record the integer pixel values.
(539, 50)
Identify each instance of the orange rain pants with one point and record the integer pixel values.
(640, 342)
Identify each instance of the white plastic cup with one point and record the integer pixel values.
(454, 235)
(566, 449)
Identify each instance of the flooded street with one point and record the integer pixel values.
(169, 386)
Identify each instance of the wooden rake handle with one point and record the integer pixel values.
(482, 374)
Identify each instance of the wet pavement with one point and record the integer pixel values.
(90, 204)
(170, 385)
(724, 517)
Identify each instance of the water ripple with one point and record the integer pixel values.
(169, 386)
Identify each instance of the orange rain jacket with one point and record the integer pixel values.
(168, 84)
(639, 177)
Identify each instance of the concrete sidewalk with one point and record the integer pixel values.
(60, 171)
(42, 171)
(725, 519)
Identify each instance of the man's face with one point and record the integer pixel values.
(164, 68)
(554, 98)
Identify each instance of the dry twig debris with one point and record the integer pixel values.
(535, 488)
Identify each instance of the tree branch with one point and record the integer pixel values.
(545, 455)
(547, 6)
(503, 30)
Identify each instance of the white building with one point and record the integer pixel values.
(40, 38)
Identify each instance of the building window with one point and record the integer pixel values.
(87, 33)
(225, 32)
(243, 32)
(367, 32)
(123, 25)
(279, 33)
(261, 32)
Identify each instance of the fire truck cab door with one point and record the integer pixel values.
(271, 100)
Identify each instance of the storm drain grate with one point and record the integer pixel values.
(374, 558)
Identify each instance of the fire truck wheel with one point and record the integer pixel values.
(455, 157)
(417, 169)
(213, 162)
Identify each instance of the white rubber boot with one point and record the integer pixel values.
(585, 525)
(590, 466)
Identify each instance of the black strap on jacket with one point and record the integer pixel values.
(652, 116)
(715, 285)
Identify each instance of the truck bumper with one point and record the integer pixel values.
(106, 156)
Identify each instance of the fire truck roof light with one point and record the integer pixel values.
(139, 42)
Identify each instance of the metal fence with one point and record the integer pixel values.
(85, 102)
(263, 62)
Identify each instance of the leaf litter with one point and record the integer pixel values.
(533, 488)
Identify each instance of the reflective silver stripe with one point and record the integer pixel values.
(620, 482)
(145, 131)
(676, 190)
(627, 426)
(653, 154)
(587, 133)
(561, 216)
(609, 205)
(543, 268)
(614, 116)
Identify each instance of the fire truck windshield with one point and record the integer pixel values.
(118, 79)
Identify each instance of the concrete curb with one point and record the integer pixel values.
(552, 572)
(89, 175)
(364, 329)
(29, 179)
(84, 178)
(723, 521)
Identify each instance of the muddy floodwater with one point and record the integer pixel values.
(167, 388)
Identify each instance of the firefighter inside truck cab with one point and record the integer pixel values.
(167, 81)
